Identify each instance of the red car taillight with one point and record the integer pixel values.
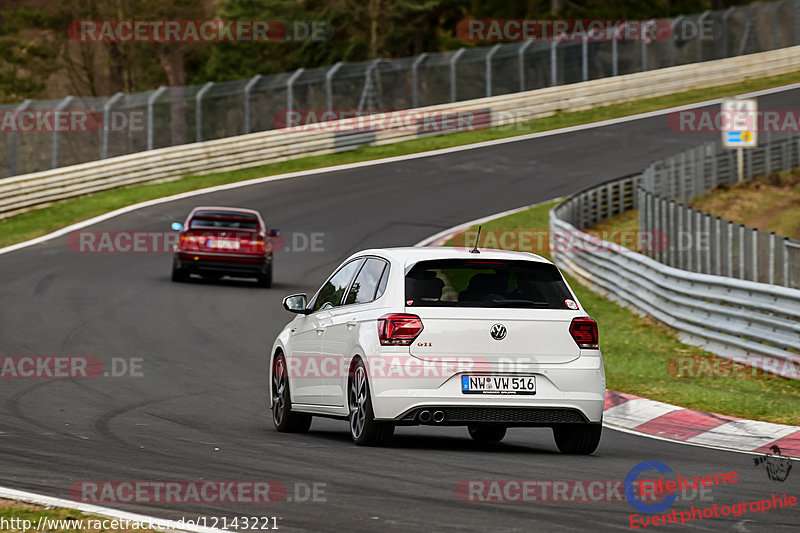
(190, 242)
(584, 331)
(398, 329)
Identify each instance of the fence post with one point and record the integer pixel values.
(747, 29)
(645, 42)
(614, 54)
(522, 65)
(13, 156)
(775, 24)
(107, 122)
(489, 55)
(680, 208)
(707, 251)
(64, 103)
(363, 102)
(198, 110)
(796, 17)
(247, 89)
(150, 117)
(729, 234)
(414, 79)
(700, 21)
(453, 61)
(718, 246)
(554, 61)
(329, 83)
(290, 89)
(585, 58)
(725, 35)
(690, 231)
(673, 223)
(754, 240)
(786, 280)
(772, 258)
(741, 252)
(674, 48)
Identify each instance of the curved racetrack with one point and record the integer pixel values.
(200, 410)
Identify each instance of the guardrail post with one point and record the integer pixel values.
(64, 103)
(248, 88)
(522, 64)
(14, 140)
(414, 79)
(489, 55)
(290, 89)
(107, 122)
(453, 61)
(198, 110)
(150, 117)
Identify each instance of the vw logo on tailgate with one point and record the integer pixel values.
(498, 332)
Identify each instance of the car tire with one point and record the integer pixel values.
(179, 275)
(283, 418)
(487, 434)
(265, 279)
(578, 439)
(364, 430)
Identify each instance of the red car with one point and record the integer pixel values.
(224, 241)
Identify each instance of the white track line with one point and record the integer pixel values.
(49, 501)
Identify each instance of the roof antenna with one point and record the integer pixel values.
(478, 238)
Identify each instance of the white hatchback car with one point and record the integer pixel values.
(446, 337)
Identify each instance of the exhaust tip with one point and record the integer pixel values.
(438, 416)
(425, 416)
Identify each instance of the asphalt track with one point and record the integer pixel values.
(200, 410)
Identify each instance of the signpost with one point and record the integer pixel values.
(739, 128)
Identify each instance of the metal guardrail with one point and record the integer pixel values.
(21, 193)
(702, 243)
(171, 116)
(726, 316)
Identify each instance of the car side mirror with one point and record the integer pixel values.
(296, 303)
(177, 226)
(274, 232)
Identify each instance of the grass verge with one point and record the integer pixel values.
(26, 518)
(640, 353)
(39, 222)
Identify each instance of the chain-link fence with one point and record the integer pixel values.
(97, 128)
(696, 241)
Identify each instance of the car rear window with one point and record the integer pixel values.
(224, 219)
(486, 283)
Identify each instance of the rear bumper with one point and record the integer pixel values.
(569, 393)
(199, 263)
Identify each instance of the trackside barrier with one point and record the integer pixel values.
(22, 193)
(726, 316)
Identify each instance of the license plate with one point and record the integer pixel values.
(222, 244)
(498, 384)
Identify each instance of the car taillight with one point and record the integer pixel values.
(190, 242)
(398, 329)
(584, 331)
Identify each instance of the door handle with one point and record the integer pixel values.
(320, 329)
(351, 323)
